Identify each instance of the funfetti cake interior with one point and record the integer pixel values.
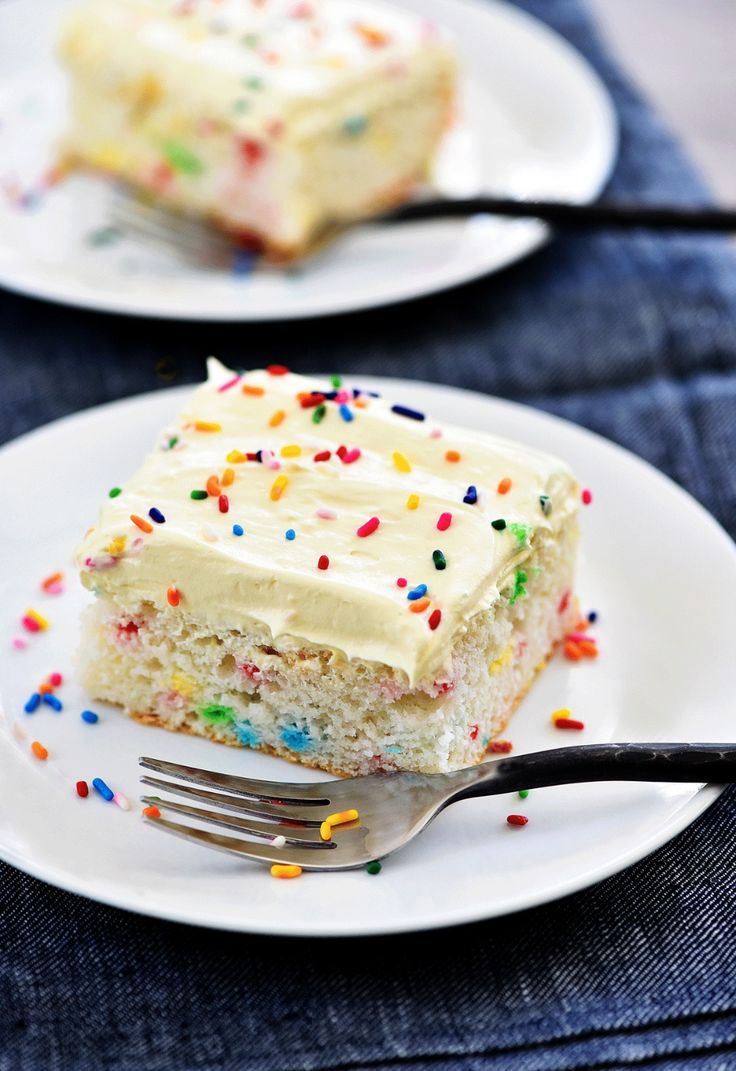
(329, 576)
(275, 119)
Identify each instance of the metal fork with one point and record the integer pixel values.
(394, 807)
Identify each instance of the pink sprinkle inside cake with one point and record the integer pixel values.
(277, 120)
(323, 574)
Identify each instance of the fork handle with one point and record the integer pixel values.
(603, 762)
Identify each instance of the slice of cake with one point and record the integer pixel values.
(322, 574)
(275, 119)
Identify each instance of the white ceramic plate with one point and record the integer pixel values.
(535, 122)
(648, 553)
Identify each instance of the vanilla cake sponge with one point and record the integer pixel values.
(275, 119)
(328, 576)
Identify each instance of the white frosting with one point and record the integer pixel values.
(355, 606)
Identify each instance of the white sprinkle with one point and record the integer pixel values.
(326, 514)
(209, 533)
(279, 842)
(122, 801)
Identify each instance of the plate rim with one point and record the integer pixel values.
(683, 816)
(536, 235)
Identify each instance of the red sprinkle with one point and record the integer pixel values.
(151, 812)
(324, 562)
(82, 789)
(310, 401)
(586, 497)
(224, 503)
(368, 528)
(569, 723)
(172, 596)
(277, 370)
(500, 747)
(444, 522)
(434, 619)
(55, 679)
(564, 603)
(401, 582)
(341, 452)
(323, 455)
(473, 732)
(517, 819)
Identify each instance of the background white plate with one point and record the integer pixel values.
(666, 672)
(535, 122)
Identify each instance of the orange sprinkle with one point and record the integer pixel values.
(254, 392)
(227, 477)
(588, 648)
(39, 751)
(504, 486)
(52, 581)
(236, 457)
(277, 418)
(207, 425)
(325, 831)
(452, 455)
(173, 597)
(213, 486)
(285, 870)
(141, 523)
(372, 36)
(582, 626)
(419, 604)
(151, 812)
(572, 651)
(45, 688)
(278, 487)
(360, 403)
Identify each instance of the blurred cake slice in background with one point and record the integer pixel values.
(274, 119)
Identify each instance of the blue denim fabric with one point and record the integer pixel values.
(634, 336)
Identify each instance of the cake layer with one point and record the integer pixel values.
(367, 531)
(275, 119)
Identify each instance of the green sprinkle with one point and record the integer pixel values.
(253, 83)
(519, 591)
(523, 793)
(374, 867)
(115, 491)
(521, 531)
(103, 236)
(545, 505)
(499, 525)
(217, 714)
(319, 414)
(182, 159)
(242, 105)
(440, 562)
(198, 496)
(250, 40)
(354, 125)
(173, 441)
(336, 381)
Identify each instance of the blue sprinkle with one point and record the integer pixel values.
(243, 263)
(592, 617)
(90, 717)
(156, 515)
(32, 703)
(345, 413)
(354, 125)
(104, 790)
(246, 734)
(237, 529)
(393, 748)
(52, 702)
(290, 533)
(412, 414)
(296, 739)
(329, 395)
(259, 456)
(471, 495)
(418, 592)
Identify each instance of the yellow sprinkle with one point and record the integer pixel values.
(236, 457)
(277, 487)
(38, 618)
(503, 659)
(401, 461)
(116, 546)
(563, 712)
(207, 425)
(412, 502)
(277, 418)
(285, 870)
(340, 818)
(325, 831)
(227, 477)
(291, 451)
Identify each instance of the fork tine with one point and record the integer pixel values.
(273, 813)
(306, 794)
(302, 838)
(303, 857)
